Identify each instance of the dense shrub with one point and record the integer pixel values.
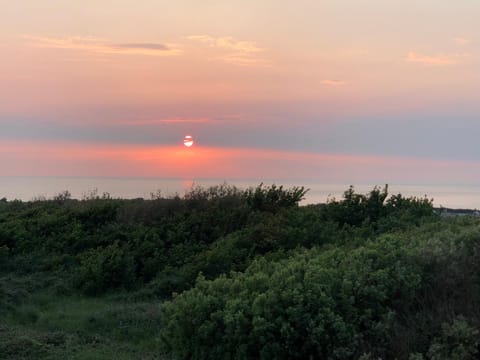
(377, 209)
(106, 268)
(367, 276)
(333, 304)
(273, 198)
(458, 340)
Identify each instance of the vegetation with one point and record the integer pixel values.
(225, 273)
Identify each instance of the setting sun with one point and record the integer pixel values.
(188, 141)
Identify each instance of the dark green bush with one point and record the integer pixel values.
(106, 268)
(273, 198)
(458, 341)
(334, 304)
(378, 210)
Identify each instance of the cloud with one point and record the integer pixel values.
(461, 41)
(101, 46)
(227, 49)
(233, 51)
(228, 43)
(333, 82)
(243, 60)
(434, 60)
(151, 46)
(173, 121)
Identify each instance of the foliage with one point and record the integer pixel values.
(105, 268)
(223, 272)
(458, 340)
(377, 209)
(272, 198)
(334, 304)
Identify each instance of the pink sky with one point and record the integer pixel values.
(336, 91)
(79, 159)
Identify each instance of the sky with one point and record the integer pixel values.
(332, 91)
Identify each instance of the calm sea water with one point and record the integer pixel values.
(28, 188)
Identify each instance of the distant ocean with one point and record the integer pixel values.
(28, 188)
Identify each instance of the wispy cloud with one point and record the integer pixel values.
(227, 42)
(174, 121)
(459, 40)
(333, 82)
(101, 46)
(434, 60)
(243, 60)
(233, 51)
(150, 46)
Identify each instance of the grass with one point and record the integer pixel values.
(39, 324)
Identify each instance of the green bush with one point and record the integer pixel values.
(378, 210)
(106, 268)
(371, 275)
(4, 258)
(458, 341)
(333, 304)
(273, 198)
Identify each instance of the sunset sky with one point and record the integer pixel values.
(334, 91)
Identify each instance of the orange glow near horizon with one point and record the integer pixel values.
(76, 159)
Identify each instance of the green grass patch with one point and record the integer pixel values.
(47, 326)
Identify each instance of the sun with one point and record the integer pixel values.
(188, 141)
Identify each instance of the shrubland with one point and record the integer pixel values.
(226, 273)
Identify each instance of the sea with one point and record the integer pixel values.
(27, 188)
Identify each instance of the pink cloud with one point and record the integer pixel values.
(227, 42)
(333, 82)
(434, 60)
(232, 51)
(172, 121)
(461, 41)
(96, 45)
